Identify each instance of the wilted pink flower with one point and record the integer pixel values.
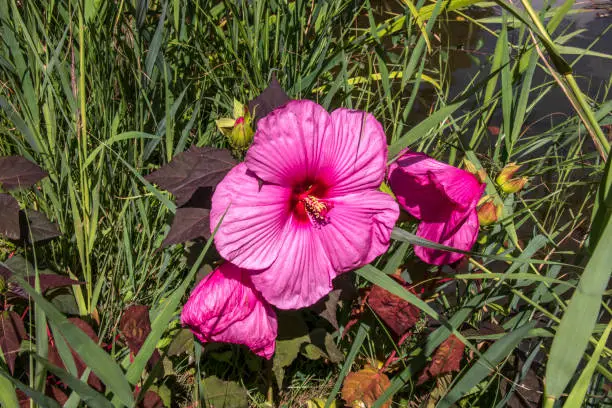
(305, 206)
(224, 307)
(443, 197)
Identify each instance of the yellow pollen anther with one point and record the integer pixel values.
(317, 209)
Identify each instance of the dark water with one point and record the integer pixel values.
(474, 46)
(470, 48)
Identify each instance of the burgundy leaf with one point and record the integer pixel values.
(35, 227)
(9, 217)
(50, 281)
(397, 314)
(54, 357)
(271, 98)
(445, 360)
(135, 326)
(24, 400)
(12, 332)
(188, 224)
(151, 400)
(196, 168)
(5, 273)
(17, 171)
(47, 281)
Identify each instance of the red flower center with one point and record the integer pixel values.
(308, 203)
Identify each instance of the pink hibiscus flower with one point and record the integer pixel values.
(305, 205)
(443, 197)
(224, 307)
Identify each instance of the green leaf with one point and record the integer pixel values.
(224, 394)
(8, 397)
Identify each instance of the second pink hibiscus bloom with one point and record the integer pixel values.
(443, 198)
(305, 205)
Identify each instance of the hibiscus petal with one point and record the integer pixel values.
(431, 190)
(224, 307)
(289, 144)
(302, 272)
(462, 236)
(359, 229)
(357, 152)
(255, 219)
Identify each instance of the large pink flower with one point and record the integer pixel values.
(305, 206)
(224, 307)
(443, 197)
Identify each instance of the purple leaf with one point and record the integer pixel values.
(47, 281)
(36, 227)
(196, 168)
(188, 224)
(271, 98)
(135, 326)
(55, 359)
(17, 171)
(9, 217)
(51, 281)
(12, 332)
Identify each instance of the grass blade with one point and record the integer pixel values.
(576, 397)
(579, 320)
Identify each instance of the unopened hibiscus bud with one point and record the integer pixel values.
(242, 134)
(515, 185)
(237, 129)
(507, 181)
(489, 213)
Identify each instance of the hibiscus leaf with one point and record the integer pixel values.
(9, 217)
(344, 292)
(12, 332)
(182, 343)
(17, 171)
(188, 224)
(198, 167)
(271, 98)
(224, 394)
(292, 335)
(35, 227)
